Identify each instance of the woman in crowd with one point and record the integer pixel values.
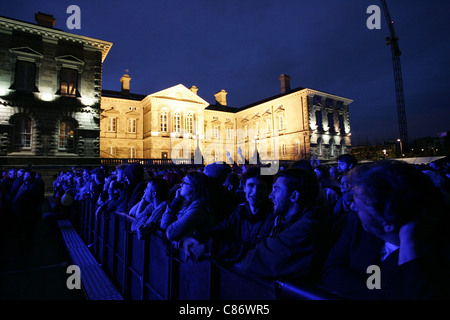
(188, 211)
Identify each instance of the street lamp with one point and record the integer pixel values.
(401, 147)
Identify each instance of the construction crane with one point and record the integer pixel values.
(395, 49)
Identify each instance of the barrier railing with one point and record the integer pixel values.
(152, 269)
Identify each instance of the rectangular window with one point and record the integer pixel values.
(177, 122)
(216, 132)
(25, 75)
(22, 133)
(331, 121)
(281, 122)
(268, 125)
(132, 152)
(164, 121)
(131, 125)
(341, 124)
(69, 81)
(229, 133)
(319, 119)
(112, 151)
(112, 124)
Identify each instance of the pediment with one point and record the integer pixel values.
(111, 111)
(256, 116)
(25, 51)
(132, 113)
(245, 119)
(180, 93)
(70, 59)
(279, 109)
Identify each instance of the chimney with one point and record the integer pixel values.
(285, 83)
(44, 20)
(125, 84)
(221, 97)
(194, 89)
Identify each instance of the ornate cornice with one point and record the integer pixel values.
(49, 34)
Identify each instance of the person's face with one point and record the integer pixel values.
(120, 175)
(256, 192)
(20, 173)
(27, 176)
(280, 197)
(342, 166)
(187, 189)
(148, 192)
(370, 219)
(317, 173)
(12, 174)
(346, 189)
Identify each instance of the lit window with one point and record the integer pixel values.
(66, 135)
(131, 125)
(268, 125)
(164, 120)
(216, 132)
(112, 151)
(132, 152)
(229, 133)
(297, 147)
(281, 122)
(112, 124)
(283, 150)
(22, 133)
(69, 80)
(189, 123)
(177, 122)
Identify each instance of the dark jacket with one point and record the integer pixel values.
(345, 271)
(231, 239)
(132, 193)
(296, 247)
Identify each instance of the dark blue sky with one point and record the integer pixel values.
(243, 46)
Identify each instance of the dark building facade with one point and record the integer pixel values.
(50, 90)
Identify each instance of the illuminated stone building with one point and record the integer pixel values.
(173, 123)
(50, 88)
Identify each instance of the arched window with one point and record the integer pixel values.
(163, 120)
(22, 133)
(320, 147)
(66, 135)
(332, 148)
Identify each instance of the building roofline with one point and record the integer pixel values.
(53, 33)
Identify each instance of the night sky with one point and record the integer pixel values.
(243, 46)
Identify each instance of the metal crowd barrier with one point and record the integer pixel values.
(152, 269)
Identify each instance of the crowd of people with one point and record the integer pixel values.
(310, 222)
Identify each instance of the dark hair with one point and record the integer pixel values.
(302, 180)
(398, 191)
(255, 172)
(199, 182)
(303, 164)
(347, 158)
(161, 187)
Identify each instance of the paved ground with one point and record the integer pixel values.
(36, 273)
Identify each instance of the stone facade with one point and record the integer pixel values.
(175, 123)
(50, 90)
